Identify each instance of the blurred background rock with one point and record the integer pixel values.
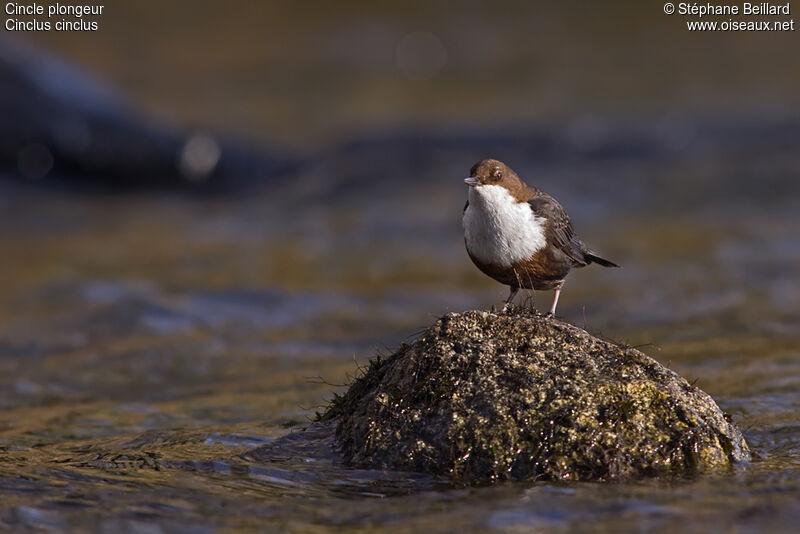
(311, 76)
(202, 204)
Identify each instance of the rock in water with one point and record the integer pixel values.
(483, 397)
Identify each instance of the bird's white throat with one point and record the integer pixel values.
(498, 229)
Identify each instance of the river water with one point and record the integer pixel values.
(158, 349)
(149, 343)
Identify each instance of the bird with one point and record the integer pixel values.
(518, 234)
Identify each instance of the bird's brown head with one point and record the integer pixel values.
(494, 172)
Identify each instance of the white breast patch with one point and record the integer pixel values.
(498, 229)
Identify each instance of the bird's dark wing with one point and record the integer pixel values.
(558, 229)
(465, 207)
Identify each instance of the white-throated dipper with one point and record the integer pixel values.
(518, 235)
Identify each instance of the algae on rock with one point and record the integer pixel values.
(483, 397)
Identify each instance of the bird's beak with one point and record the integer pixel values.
(472, 181)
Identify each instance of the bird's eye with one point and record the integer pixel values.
(497, 174)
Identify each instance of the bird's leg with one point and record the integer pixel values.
(511, 296)
(556, 294)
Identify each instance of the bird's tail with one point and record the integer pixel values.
(591, 258)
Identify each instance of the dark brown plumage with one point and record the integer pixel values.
(519, 235)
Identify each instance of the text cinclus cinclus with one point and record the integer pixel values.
(518, 235)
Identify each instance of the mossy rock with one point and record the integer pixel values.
(482, 397)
